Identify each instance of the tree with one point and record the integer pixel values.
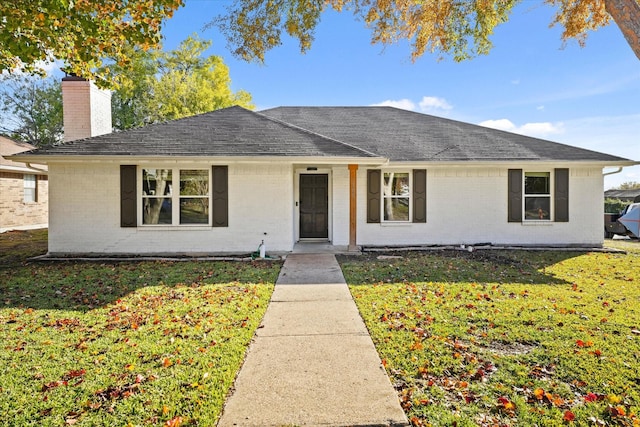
(629, 185)
(82, 33)
(160, 86)
(452, 27)
(31, 110)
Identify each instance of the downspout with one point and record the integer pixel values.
(37, 169)
(613, 172)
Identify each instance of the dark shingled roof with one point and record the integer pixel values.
(233, 131)
(347, 132)
(402, 135)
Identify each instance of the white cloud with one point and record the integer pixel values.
(430, 104)
(515, 81)
(540, 108)
(501, 124)
(539, 130)
(404, 104)
(50, 67)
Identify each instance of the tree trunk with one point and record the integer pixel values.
(626, 13)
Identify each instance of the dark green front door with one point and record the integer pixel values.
(314, 206)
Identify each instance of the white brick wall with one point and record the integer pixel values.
(469, 205)
(465, 206)
(85, 214)
(340, 212)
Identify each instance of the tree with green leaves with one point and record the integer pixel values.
(160, 86)
(460, 29)
(629, 185)
(81, 33)
(31, 110)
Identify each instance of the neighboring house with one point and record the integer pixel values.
(624, 195)
(23, 190)
(222, 182)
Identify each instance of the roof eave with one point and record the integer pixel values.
(127, 159)
(517, 163)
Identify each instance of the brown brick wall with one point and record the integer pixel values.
(14, 212)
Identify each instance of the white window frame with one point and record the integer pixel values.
(30, 183)
(549, 195)
(174, 195)
(409, 196)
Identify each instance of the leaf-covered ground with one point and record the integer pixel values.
(507, 338)
(119, 344)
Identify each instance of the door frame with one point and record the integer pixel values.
(296, 202)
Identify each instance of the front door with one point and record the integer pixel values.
(314, 206)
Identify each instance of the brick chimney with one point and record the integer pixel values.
(86, 109)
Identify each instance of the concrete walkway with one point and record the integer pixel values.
(312, 362)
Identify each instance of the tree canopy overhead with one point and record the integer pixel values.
(86, 34)
(460, 29)
(82, 33)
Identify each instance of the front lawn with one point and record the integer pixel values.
(506, 338)
(119, 344)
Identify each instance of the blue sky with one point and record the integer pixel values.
(529, 83)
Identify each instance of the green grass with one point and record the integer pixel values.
(17, 246)
(118, 344)
(507, 338)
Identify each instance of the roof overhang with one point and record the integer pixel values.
(49, 159)
(22, 169)
(372, 161)
(514, 163)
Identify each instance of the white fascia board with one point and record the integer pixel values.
(22, 169)
(47, 159)
(511, 163)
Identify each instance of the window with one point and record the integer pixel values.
(162, 204)
(194, 197)
(30, 189)
(396, 196)
(537, 196)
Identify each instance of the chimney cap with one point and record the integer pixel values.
(71, 76)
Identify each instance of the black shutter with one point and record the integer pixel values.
(373, 195)
(220, 196)
(128, 196)
(419, 195)
(561, 195)
(515, 195)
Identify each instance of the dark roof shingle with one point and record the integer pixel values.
(326, 132)
(402, 135)
(232, 131)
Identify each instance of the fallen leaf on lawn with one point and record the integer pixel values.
(568, 416)
(174, 422)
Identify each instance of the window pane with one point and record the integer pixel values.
(156, 210)
(29, 195)
(396, 209)
(194, 210)
(194, 183)
(396, 184)
(536, 183)
(156, 182)
(537, 207)
(29, 181)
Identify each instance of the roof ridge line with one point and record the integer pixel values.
(292, 126)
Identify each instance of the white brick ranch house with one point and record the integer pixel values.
(221, 182)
